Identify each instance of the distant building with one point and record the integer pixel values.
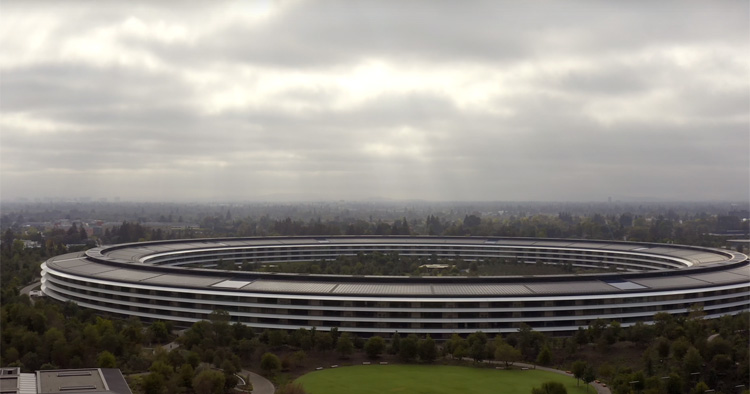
(69, 381)
(31, 244)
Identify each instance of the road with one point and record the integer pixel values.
(30, 287)
(261, 385)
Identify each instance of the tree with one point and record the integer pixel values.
(374, 346)
(408, 350)
(153, 383)
(674, 384)
(507, 354)
(477, 342)
(106, 360)
(456, 346)
(550, 388)
(395, 346)
(323, 341)
(345, 346)
(582, 336)
(588, 376)
(544, 357)
(159, 332)
(700, 388)
(186, 375)
(270, 363)
(209, 382)
(578, 368)
(427, 349)
(692, 361)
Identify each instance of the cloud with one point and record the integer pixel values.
(325, 100)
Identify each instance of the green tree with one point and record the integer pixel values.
(374, 346)
(159, 332)
(427, 349)
(395, 345)
(323, 341)
(544, 357)
(506, 353)
(186, 375)
(345, 346)
(700, 388)
(550, 388)
(578, 369)
(674, 384)
(162, 368)
(692, 361)
(153, 383)
(408, 348)
(477, 346)
(680, 348)
(588, 376)
(106, 360)
(209, 381)
(270, 363)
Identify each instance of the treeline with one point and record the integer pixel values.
(48, 335)
(20, 264)
(135, 232)
(693, 231)
(666, 229)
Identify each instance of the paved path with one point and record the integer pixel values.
(27, 289)
(261, 385)
(30, 287)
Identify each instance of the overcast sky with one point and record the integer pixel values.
(328, 100)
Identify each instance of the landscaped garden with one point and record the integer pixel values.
(433, 379)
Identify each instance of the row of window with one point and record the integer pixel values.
(521, 310)
(438, 330)
(170, 296)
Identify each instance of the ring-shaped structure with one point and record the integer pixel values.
(151, 280)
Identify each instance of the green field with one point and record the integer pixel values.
(429, 379)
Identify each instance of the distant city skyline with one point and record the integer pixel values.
(326, 101)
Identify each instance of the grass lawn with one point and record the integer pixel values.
(430, 379)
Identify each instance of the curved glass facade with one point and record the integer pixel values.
(149, 280)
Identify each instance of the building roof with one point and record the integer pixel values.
(80, 381)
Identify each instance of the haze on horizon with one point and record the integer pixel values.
(329, 100)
